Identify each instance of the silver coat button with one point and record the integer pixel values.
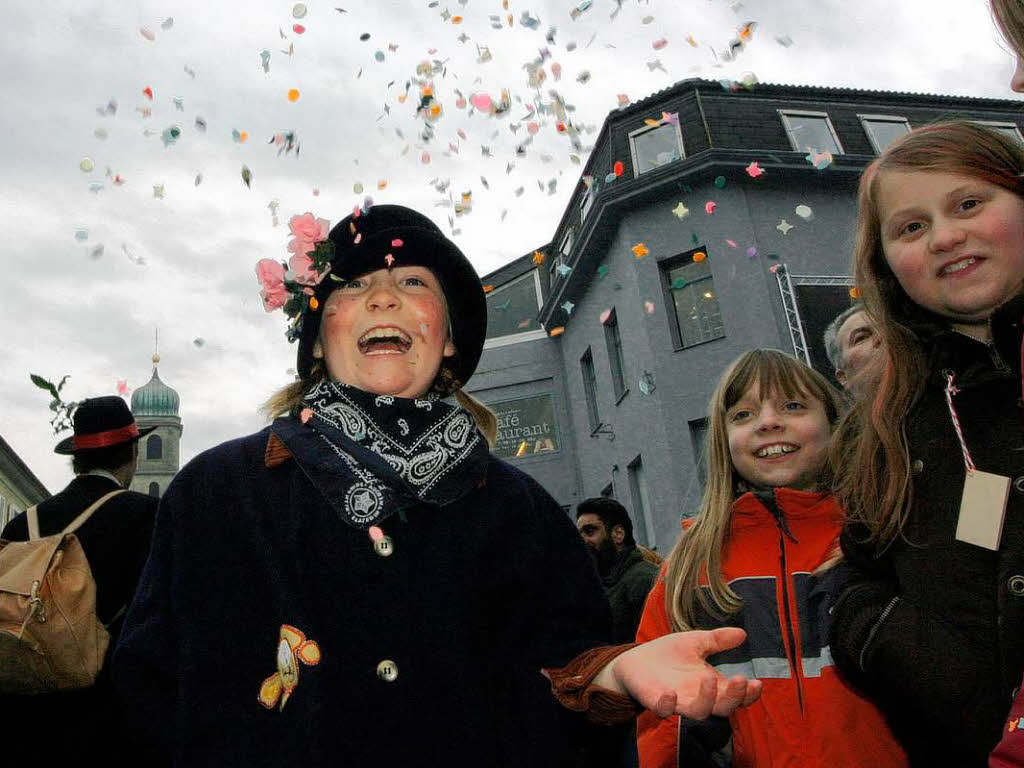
(916, 467)
(1018, 484)
(387, 671)
(384, 546)
(1016, 586)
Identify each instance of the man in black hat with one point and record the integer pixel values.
(115, 539)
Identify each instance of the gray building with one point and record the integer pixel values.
(707, 222)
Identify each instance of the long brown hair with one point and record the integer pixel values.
(698, 552)
(1009, 16)
(869, 458)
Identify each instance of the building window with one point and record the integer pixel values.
(809, 131)
(655, 145)
(699, 442)
(154, 490)
(690, 291)
(554, 275)
(566, 246)
(642, 525)
(590, 389)
(512, 309)
(154, 447)
(1007, 129)
(613, 341)
(586, 202)
(883, 130)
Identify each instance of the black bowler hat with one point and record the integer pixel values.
(101, 422)
(362, 243)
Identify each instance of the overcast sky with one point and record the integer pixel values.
(91, 267)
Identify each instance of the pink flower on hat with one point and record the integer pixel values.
(307, 231)
(303, 272)
(271, 276)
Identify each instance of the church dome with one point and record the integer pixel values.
(155, 398)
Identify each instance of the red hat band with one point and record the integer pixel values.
(105, 439)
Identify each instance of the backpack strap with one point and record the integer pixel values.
(33, 522)
(78, 521)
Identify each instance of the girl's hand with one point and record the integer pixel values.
(670, 676)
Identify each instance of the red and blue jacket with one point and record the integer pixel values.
(807, 714)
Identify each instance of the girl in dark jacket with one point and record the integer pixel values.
(362, 583)
(931, 469)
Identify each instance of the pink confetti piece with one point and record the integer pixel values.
(305, 415)
(359, 238)
(754, 170)
(660, 43)
(649, 307)
(481, 101)
(397, 243)
(298, 29)
(732, 243)
(376, 534)
(389, 259)
(709, 207)
(604, 316)
(774, 268)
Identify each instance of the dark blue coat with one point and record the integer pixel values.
(474, 600)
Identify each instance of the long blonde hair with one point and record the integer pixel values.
(698, 552)
(869, 458)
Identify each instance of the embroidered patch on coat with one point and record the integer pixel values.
(292, 648)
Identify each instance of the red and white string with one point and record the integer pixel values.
(951, 389)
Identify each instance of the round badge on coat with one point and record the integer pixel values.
(363, 502)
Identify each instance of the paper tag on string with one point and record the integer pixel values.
(983, 509)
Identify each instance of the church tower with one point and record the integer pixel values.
(156, 405)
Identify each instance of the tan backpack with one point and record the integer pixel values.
(50, 636)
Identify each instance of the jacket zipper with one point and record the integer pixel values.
(788, 617)
(997, 359)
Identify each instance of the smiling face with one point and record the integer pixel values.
(777, 441)
(386, 332)
(954, 243)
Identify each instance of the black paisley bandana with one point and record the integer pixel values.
(385, 452)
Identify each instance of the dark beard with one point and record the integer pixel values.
(606, 555)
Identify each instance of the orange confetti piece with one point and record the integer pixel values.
(699, 256)
(488, 288)
(618, 168)
(293, 95)
(382, 183)
(855, 292)
(538, 257)
(557, 331)
(456, 19)
(640, 250)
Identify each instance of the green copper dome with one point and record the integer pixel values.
(156, 398)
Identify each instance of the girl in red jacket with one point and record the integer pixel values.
(751, 559)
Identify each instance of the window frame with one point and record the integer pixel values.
(640, 495)
(1002, 124)
(785, 114)
(516, 338)
(665, 266)
(154, 440)
(590, 389)
(866, 119)
(616, 357)
(647, 129)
